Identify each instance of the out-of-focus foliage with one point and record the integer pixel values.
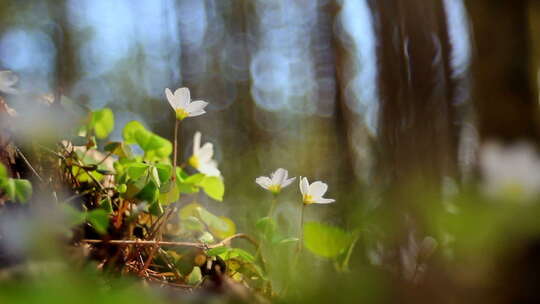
(325, 241)
(50, 285)
(19, 190)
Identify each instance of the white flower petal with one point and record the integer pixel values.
(196, 106)
(206, 152)
(183, 97)
(197, 113)
(304, 185)
(173, 101)
(322, 200)
(287, 182)
(196, 143)
(318, 189)
(264, 181)
(278, 176)
(210, 168)
(285, 176)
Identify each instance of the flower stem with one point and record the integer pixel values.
(300, 243)
(175, 152)
(345, 264)
(272, 206)
(270, 213)
(301, 237)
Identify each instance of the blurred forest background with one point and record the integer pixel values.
(385, 95)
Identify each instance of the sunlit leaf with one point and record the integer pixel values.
(231, 228)
(19, 190)
(169, 193)
(154, 176)
(136, 170)
(206, 237)
(227, 253)
(192, 223)
(324, 240)
(118, 148)
(214, 187)
(194, 179)
(189, 210)
(238, 254)
(122, 188)
(187, 188)
(3, 172)
(99, 219)
(219, 226)
(217, 251)
(181, 174)
(149, 193)
(212, 220)
(102, 122)
(155, 208)
(164, 171)
(130, 130)
(135, 187)
(84, 175)
(106, 205)
(195, 277)
(233, 265)
(153, 145)
(188, 184)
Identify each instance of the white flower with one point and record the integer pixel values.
(7, 80)
(313, 193)
(202, 157)
(510, 171)
(277, 181)
(181, 103)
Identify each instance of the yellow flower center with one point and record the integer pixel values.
(275, 189)
(181, 114)
(194, 161)
(308, 199)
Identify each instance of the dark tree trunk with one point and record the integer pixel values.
(503, 91)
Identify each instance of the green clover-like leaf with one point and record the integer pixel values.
(195, 277)
(212, 220)
(19, 190)
(153, 145)
(102, 122)
(324, 240)
(214, 187)
(99, 219)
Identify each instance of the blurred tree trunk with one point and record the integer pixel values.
(418, 124)
(419, 120)
(503, 91)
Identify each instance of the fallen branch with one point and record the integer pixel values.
(174, 244)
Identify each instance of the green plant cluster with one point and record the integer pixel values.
(132, 192)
